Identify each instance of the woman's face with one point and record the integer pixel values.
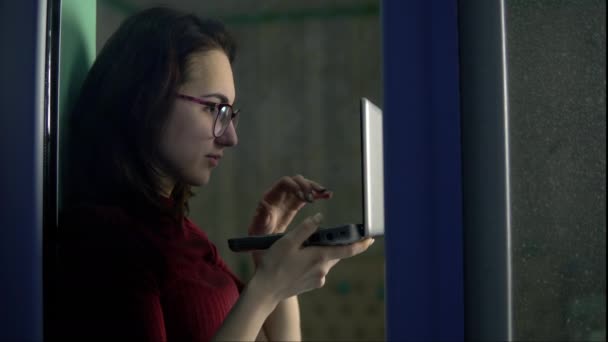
(188, 149)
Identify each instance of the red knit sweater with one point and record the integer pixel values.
(124, 276)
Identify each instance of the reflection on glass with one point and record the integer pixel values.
(300, 72)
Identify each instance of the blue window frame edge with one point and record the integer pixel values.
(21, 158)
(423, 182)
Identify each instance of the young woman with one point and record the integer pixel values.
(154, 117)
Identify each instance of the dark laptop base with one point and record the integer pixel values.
(334, 236)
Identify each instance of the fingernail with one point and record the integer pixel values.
(372, 242)
(325, 194)
(301, 195)
(309, 197)
(317, 218)
(321, 190)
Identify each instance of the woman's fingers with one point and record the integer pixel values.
(296, 269)
(312, 190)
(342, 252)
(308, 227)
(305, 188)
(317, 187)
(331, 263)
(285, 185)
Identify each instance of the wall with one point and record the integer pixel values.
(557, 100)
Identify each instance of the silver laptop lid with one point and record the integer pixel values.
(373, 168)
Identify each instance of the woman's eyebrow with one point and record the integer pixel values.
(219, 96)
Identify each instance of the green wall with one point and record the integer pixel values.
(77, 52)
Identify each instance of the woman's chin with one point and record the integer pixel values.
(200, 180)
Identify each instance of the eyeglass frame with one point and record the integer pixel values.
(234, 117)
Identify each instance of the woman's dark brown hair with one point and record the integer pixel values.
(115, 125)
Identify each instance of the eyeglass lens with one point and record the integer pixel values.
(223, 120)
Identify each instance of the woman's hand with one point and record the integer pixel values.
(288, 269)
(281, 203)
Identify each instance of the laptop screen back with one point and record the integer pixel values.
(373, 168)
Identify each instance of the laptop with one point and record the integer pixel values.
(373, 194)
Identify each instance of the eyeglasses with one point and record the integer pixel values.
(222, 112)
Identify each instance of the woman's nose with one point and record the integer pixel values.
(229, 138)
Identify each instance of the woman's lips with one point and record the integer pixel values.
(214, 159)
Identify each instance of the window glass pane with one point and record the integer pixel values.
(557, 98)
(300, 71)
